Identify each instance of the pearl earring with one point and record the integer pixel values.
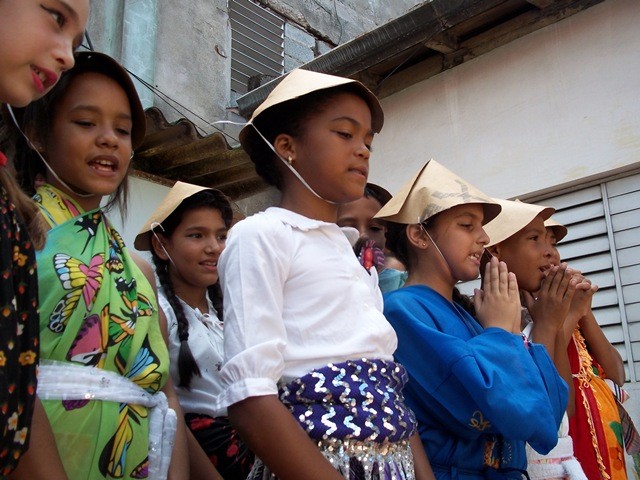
(290, 160)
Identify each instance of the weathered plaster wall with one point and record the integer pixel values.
(339, 21)
(182, 48)
(193, 57)
(550, 109)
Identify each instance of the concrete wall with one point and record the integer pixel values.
(181, 48)
(339, 21)
(194, 57)
(550, 109)
(184, 48)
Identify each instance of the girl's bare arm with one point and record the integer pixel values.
(272, 433)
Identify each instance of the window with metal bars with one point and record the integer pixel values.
(257, 43)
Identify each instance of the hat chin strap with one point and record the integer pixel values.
(153, 231)
(293, 170)
(437, 248)
(46, 164)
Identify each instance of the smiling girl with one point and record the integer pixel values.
(186, 235)
(105, 367)
(37, 39)
(479, 391)
(309, 377)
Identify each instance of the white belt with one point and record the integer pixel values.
(569, 467)
(66, 381)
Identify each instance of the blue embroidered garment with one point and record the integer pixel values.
(478, 394)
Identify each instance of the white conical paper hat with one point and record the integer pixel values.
(301, 82)
(431, 191)
(559, 230)
(174, 198)
(515, 215)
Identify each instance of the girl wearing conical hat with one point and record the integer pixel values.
(186, 234)
(310, 381)
(519, 237)
(595, 366)
(478, 390)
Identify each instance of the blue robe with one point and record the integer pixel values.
(478, 394)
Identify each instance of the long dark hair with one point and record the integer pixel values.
(38, 117)
(26, 208)
(214, 199)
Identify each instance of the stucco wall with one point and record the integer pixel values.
(193, 58)
(339, 21)
(552, 108)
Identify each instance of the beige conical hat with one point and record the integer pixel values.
(515, 215)
(433, 190)
(559, 230)
(300, 82)
(176, 195)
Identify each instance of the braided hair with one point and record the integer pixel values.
(214, 199)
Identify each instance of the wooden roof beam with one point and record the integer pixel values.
(444, 43)
(540, 3)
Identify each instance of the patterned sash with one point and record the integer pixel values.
(356, 414)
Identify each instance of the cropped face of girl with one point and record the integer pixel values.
(553, 245)
(332, 153)
(460, 237)
(527, 254)
(89, 145)
(37, 40)
(359, 215)
(195, 246)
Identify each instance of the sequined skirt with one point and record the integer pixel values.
(355, 412)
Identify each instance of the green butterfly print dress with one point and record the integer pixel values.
(97, 310)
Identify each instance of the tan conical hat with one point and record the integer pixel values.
(515, 215)
(174, 198)
(432, 190)
(300, 82)
(559, 230)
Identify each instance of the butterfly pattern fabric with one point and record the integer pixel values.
(80, 280)
(98, 310)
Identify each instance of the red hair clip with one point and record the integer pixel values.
(3, 160)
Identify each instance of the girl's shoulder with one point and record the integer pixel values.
(402, 294)
(274, 221)
(415, 299)
(259, 225)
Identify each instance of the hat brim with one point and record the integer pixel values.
(559, 230)
(515, 216)
(298, 83)
(178, 193)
